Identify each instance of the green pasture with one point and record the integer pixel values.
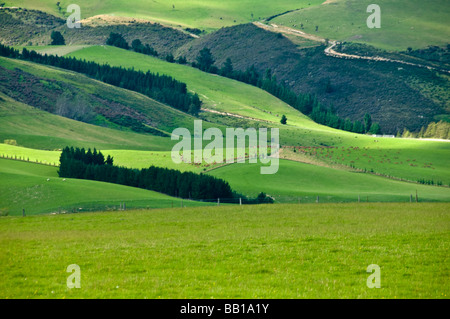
(264, 251)
(203, 14)
(26, 186)
(404, 23)
(296, 181)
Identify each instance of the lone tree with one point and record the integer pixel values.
(375, 129)
(205, 60)
(136, 45)
(57, 38)
(367, 122)
(283, 120)
(227, 69)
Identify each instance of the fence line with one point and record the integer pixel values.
(125, 205)
(22, 159)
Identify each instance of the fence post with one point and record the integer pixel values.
(317, 201)
(124, 206)
(23, 212)
(417, 197)
(359, 198)
(410, 198)
(240, 201)
(218, 202)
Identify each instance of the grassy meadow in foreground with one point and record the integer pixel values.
(309, 251)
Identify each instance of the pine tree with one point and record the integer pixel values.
(205, 60)
(367, 122)
(57, 38)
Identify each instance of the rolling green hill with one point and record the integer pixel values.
(209, 14)
(227, 95)
(25, 186)
(34, 128)
(122, 157)
(294, 180)
(396, 95)
(34, 28)
(404, 23)
(78, 97)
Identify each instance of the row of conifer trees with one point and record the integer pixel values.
(92, 165)
(162, 88)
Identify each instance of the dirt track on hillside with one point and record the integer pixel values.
(329, 50)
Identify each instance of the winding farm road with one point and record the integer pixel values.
(332, 44)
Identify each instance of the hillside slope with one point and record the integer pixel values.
(78, 97)
(395, 95)
(404, 23)
(239, 99)
(34, 128)
(34, 27)
(25, 186)
(206, 14)
(295, 180)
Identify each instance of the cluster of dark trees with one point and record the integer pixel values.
(117, 40)
(138, 47)
(432, 53)
(328, 117)
(162, 88)
(305, 103)
(429, 182)
(57, 38)
(92, 165)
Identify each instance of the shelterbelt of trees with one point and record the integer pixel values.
(305, 103)
(162, 88)
(92, 165)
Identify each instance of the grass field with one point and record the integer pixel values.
(34, 128)
(128, 158)
(309, 251)
(294, 180)
(203, 14)
(405, 23)
(25, 186)
(394, 157)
